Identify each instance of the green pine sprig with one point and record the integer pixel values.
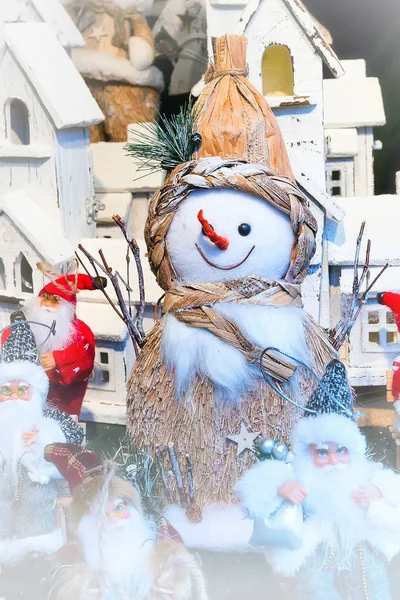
(165, 144)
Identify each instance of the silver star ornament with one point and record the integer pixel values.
(244, 439)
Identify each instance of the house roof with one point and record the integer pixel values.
(333, 210)
(51, 12)
(52, 74)
(342, 142)
(36, 225)
(389, 280)
(381, 214)
(307, 24)
(355, 100)
(102, 320)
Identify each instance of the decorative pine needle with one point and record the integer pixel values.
(166, 144)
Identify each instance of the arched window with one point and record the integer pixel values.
(23, 274)
(2, 275)
(19, 123)
(277, 71)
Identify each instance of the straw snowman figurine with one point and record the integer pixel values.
(230, 238)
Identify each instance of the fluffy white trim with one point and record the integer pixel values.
(288, 562)
(14, 550)
(100, 65)
(189, 351)
(25, 370)
(328, 428)
(388, 483)
(258, 488)
(223, 527)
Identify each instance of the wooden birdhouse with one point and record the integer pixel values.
(46, 180)
(44, 142)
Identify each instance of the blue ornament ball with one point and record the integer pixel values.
(280, 451)
(266, 446)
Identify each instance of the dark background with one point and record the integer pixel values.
(370, 29)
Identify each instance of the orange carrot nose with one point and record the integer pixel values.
(221, 242)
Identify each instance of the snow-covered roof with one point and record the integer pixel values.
(115, 252)
(389, 280)
(52, 74)
(342, 142)
(102, 320)
(51, 12)
(382, 216)
(35, 225)
(307, 24)
(333, 210)
(354, 100)
(104, 67)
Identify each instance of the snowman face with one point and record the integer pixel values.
(259, 238)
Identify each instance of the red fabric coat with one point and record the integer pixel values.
(69, 380)
(392, 301)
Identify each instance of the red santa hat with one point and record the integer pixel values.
(68, 286)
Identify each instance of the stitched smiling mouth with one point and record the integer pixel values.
(208, 261)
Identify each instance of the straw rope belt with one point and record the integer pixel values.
(192, 305)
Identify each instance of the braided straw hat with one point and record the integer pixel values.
(242, 149)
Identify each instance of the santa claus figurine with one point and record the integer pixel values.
(27, 482)
(392, 301)
(68, 355)
(122, 553)
(350, 505)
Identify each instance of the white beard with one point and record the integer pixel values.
(17, 417)
(189, 351)
(120, 551)
(329, 501)
(63, 315)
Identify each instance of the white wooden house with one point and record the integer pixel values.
(44, 144)
(46, 180)
(285, 54)
(121, 188)
(374, 341)
(51, 12)
(353, 106)
(27, 235)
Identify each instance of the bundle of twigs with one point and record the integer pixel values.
(339, 334)
(133, 322)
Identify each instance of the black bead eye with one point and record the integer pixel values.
(244, 229)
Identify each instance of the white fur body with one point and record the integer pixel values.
(223, 527)
(191, 352)
(19, 416)
(332, 517)
(14, 550)
(120, 551)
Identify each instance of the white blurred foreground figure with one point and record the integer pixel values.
(122, 553)
(350, 522)
(28, 489)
